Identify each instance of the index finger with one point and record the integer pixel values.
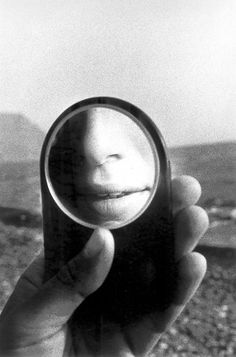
(186, 191)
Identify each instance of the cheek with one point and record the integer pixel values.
(141, 145)
(144, 160)
(141, 168)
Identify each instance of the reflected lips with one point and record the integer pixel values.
(108, 203)
(108, 195)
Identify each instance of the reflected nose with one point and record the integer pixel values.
(102, 144)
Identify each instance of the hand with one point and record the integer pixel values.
(34, 320)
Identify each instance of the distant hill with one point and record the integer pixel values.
(19, 185)
(20, 139)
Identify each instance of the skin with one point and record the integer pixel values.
(34, 321)
(109, 154)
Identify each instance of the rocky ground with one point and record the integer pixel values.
(207, 327)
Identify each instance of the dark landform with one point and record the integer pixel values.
(20, 139)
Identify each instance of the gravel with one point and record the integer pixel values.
(207, 327)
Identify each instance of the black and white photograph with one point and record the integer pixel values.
(118, 178)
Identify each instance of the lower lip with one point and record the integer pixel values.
(112, 211)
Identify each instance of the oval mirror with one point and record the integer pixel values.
(102, 167)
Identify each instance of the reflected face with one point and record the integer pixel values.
(102, 167)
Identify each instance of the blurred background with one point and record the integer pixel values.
(173, 59)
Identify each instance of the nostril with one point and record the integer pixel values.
(97, 159)
(113, 157)
(109, 159)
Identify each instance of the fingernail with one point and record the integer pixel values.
(96, 242)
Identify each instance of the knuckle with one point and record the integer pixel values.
(67, 276)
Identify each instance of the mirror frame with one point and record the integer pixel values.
(152, 234)
(149, 129)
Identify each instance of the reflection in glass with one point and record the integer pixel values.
(102, 167)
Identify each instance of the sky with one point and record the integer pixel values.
(175, 59)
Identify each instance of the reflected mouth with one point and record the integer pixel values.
(109, 195)
(107, 204)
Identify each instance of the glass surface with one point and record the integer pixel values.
(102, 167)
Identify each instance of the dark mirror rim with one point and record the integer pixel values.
(144, 122)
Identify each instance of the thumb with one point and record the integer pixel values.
(87, 271)
(81, 276)
(53, 304)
